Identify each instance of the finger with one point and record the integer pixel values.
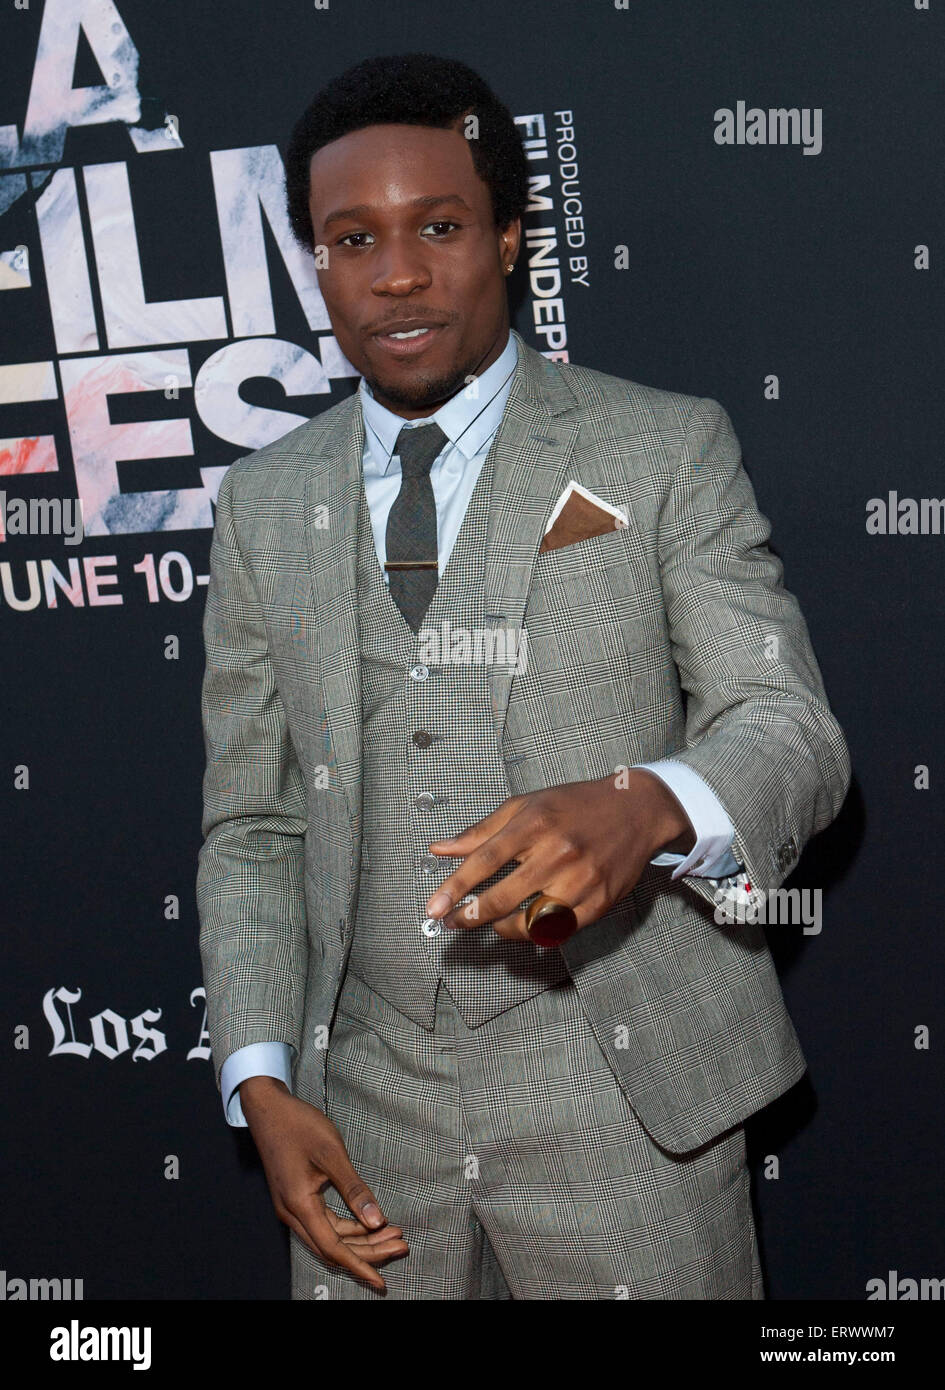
(346, 1228)
(333, 1250)
(354, 1191)
(503, 899)
(362, 1241)
(474, 835)
(587, 909)
(512, 842)
(512, 927)
(384, 1250)
(361, 1257)
(498, 902)
(314, 1241)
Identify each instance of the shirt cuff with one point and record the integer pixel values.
(711, 856)
(256, 1059)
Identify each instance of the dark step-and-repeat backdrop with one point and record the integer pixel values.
(732, 200)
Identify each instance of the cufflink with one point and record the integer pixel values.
(735, 891)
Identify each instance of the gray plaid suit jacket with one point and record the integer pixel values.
(673, 636)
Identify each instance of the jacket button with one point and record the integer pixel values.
(425, 801)
(422, 739)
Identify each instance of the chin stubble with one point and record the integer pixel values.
(419, 394)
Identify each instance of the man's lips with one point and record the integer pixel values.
(407, 347)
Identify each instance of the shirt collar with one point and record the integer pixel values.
(466, 421)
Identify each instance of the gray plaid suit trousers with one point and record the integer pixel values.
(516, 1167)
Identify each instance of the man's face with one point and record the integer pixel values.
(412, 243)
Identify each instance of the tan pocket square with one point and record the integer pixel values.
(578, 515)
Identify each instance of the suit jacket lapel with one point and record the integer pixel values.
(333, 496)
(531, 460)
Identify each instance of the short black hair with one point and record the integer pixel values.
(409, 89)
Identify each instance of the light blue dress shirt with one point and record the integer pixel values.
(470, 420)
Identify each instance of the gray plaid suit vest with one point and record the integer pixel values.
(418, 789)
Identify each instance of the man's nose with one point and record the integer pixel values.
(401, 269)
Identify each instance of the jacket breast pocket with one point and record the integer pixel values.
(580, 557)
(594, 595)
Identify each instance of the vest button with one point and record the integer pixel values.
(422, 739)
(430, 926)
(430, 863)
(419, 673)
(426, 801)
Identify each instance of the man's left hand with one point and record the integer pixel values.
(584, 843)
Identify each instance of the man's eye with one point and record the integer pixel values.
(441, 224)
(343, 240)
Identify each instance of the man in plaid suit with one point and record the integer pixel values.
(388, 785)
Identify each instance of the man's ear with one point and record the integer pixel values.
(510, 240)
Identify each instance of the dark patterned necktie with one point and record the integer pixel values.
(411, 561)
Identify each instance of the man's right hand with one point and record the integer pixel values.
(302, 1153)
